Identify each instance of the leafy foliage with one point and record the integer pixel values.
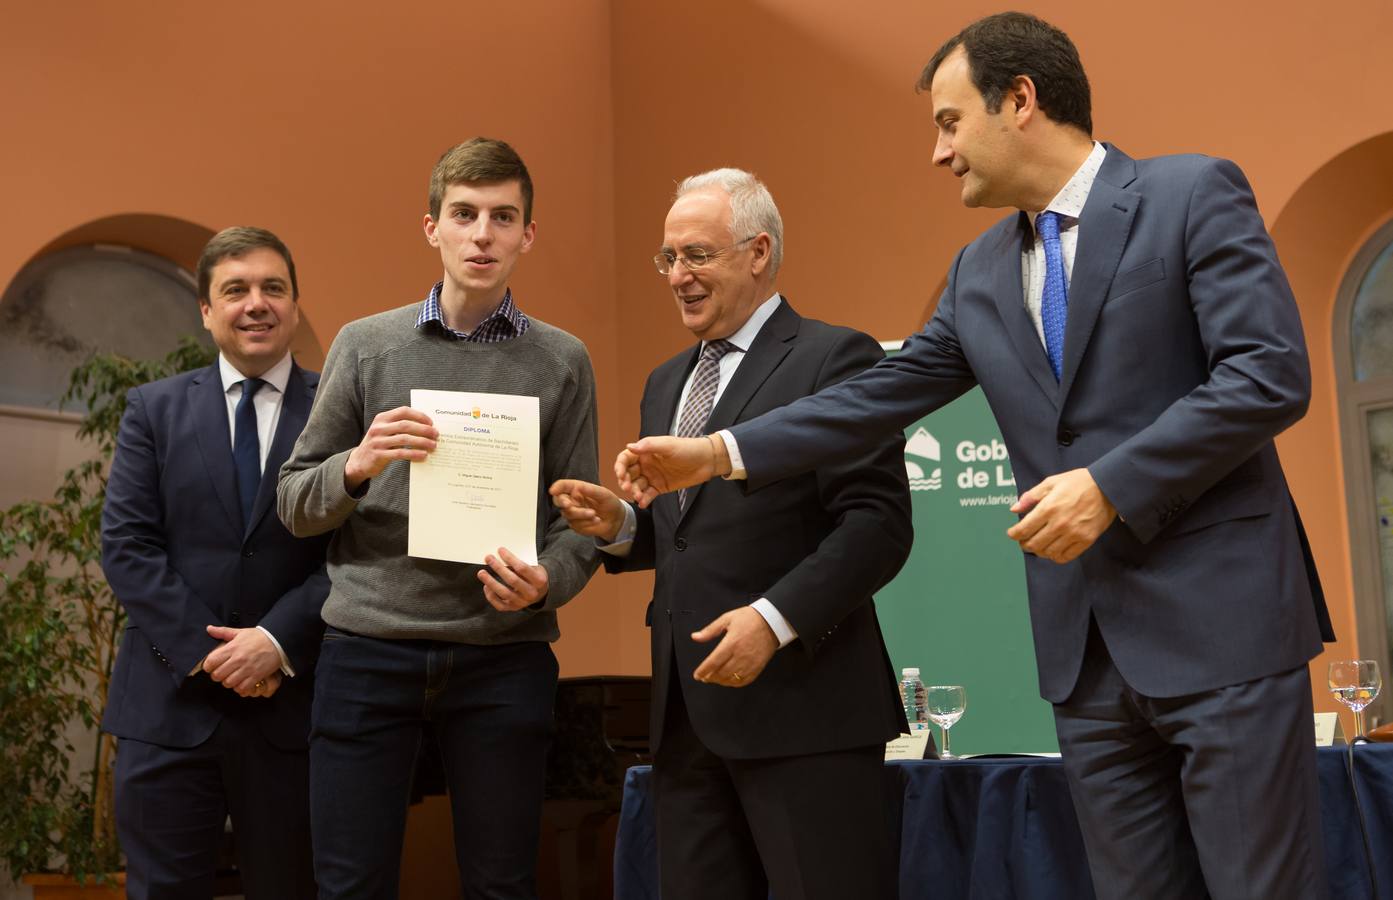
(59, 629)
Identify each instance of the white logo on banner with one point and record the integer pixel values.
(925, 446)
(979, 482)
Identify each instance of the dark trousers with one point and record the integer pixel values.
(172, 805)
(490, 709)
(810, 827)
(1207, 795)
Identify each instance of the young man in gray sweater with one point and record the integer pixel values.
(411, 640)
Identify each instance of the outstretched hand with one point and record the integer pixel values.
(657, 465)
(589, 509)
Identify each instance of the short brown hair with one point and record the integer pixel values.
(1004, 46)
(240, 240)
(480, 160)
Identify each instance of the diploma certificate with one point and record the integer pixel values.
(477, 490)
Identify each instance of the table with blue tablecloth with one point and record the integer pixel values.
(1002, 828)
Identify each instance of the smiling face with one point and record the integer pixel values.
(251, 310)
(717, 298)
(980, 147)
(480, 234)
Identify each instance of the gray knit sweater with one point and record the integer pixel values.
(377, 589)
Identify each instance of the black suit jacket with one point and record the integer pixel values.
(179, 557)
(817, 546)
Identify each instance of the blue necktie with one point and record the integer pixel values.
(1054, 303)
(246, 448)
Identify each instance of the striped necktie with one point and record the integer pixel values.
(701, 397)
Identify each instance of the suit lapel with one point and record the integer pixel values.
(1009, 295)
(1104, 227)
(769, 348)
(213, 435)
(295, 411)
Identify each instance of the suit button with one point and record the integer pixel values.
(235, 618)
(680, 543)
(1065, 437)
(248, 554)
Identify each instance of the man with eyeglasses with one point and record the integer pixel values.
(768, 775)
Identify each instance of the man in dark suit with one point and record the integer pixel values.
(211, 693)
(1140, 347)
(769, 747)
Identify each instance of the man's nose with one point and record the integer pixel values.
(483, 231)
(943, 151)
(679, 274)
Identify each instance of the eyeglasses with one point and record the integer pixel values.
(694, 258)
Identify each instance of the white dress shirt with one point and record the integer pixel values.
(742, 339)
(1068, 203)
(267, 402)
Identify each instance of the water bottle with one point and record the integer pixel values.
(913, 695)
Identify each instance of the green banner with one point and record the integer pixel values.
(957, 610)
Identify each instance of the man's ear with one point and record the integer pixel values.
(428, 224)
(1022, 98)
(763, 247)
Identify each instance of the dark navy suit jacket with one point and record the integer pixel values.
(817, 546)
(1183, 359)
(179, 557)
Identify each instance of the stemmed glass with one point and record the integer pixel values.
(1355, 683)
(946, 704)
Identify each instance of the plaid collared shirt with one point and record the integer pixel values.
(506, 322)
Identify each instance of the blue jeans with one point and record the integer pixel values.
(490, 708)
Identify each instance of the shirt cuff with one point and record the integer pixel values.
(624, 541)
(780, 626)
(285, 660)
(737, 462)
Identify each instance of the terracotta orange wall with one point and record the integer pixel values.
(321, 121)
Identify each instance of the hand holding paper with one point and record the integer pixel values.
(401, 433)
(512, 584)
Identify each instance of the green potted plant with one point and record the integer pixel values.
(59, 628)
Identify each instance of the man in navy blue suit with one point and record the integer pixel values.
(211, 693)
(1140, 347)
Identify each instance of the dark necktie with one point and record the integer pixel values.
(1054, 302)
(701, 397)
(246, 448)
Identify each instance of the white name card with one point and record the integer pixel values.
(908, 746)
(1328, 730)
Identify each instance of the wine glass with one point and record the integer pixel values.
(1355, 683)
(946, 704)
